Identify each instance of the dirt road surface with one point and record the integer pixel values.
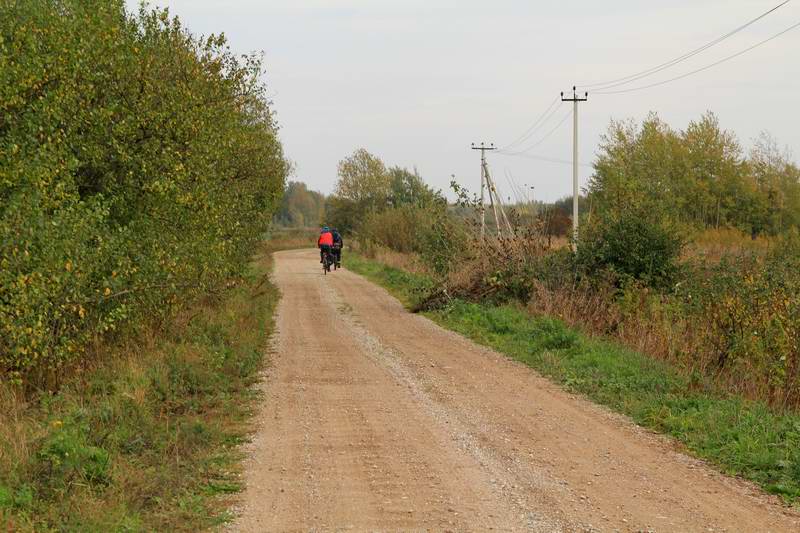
(377, 419)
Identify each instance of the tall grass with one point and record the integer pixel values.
(714, 244)
(145, 438)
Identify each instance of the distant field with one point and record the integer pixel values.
(713, 244)
(290, 238)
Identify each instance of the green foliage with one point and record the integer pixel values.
(396, 228)
(300, 208)
(439, 239)
(138, 164)
(68, 457)
(363, 180)
(408, 188)
(145, 440)
(444, 242)
(407, 287)
(698, 176)
(632, 245)
(430, 231)
(396, 209)
(364, 187)
(751, 316)
(343, 214)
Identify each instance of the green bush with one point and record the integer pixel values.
(396, 228)
(632, 246)
(428, 230)
(751, 317)
(70, 458)
(444, 241)
(138, 166)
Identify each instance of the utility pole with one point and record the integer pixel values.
(484, 178)
(575, 99)
(495, 198)
(533, 202)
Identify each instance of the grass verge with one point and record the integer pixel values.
(741, 437)
(146, 440)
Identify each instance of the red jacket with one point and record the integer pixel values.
(325, 239)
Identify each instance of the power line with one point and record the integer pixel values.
(512, 183)
(714, 64)
(543, 119)
(543, 158)
(663, 66)
(540, 121)
(540, 141)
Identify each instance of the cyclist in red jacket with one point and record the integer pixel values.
(325, 242)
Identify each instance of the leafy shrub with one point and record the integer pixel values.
(138, 166)
(751, 316)
(632, 246)
(70, 458)
(398, 228)
(444, 242)
(429, 231)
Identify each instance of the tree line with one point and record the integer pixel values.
(139, 164)
(700, 176)
(300, 207)
(365, 185)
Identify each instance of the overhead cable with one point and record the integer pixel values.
(663, 66)
(540, 141)
(544, 158)
(714, 64)
(543, 119)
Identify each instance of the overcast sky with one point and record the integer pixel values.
(416, 81)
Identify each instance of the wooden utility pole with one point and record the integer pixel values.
(495, 198)
(483, 148)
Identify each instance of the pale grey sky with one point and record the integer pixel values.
(416, 81)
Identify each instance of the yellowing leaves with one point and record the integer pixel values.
(143, 124)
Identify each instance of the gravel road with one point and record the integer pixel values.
(377, 419)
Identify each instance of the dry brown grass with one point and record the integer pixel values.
(290, 239)
(639, 325)
(410, 262)
(16, 430)
(644, 320)
(650, 324)
(556, 243)
(714, 244)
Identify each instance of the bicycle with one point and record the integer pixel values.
(327, 261)
(336, 251)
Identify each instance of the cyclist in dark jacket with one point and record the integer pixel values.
(338, 244)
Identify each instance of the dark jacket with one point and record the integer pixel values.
(337, 238)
